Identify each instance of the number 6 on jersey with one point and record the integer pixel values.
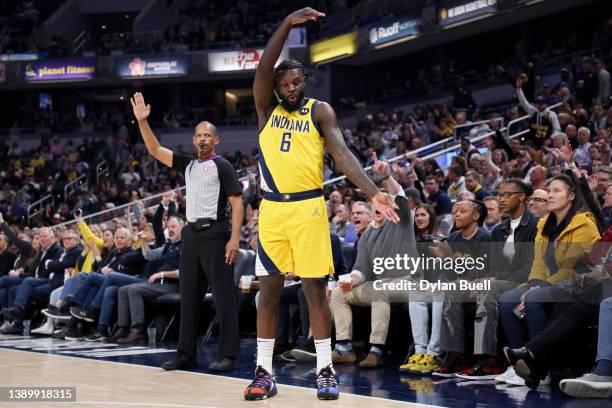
(285, 142)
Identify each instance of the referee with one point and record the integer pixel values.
(211, 182)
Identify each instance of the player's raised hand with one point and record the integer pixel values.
(304, 15)
(384, 205)
(141, 110)
(380, 167)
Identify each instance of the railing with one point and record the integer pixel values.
(115, 211)
(37, 207)
(79, 42)
(120, 210)
(522, 118)
(439, 143)
(101, 170)
(459, 129)
(396, 158)
(80, 182)
(473, 141)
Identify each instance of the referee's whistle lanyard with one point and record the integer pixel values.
(213, 156)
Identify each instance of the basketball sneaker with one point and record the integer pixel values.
(327, 384)
(262, 387)
(408, 366)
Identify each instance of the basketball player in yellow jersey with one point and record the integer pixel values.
(293, 226)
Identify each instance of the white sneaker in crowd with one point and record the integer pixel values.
(505, 375)
(46, 329)
(588, 386)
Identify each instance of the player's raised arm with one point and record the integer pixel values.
(263, 87)
(141, 112)
(348, 163)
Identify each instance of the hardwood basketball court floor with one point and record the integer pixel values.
(109, 375)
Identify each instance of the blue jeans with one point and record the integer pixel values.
(72, 285)
(604, 346)
(91, 284)
(106, 299)
(31, 286)
(5, 283)
(538, 305)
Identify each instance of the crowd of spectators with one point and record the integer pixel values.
(19, 22)
(510, 197)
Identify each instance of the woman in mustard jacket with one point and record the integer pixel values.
(563, 241)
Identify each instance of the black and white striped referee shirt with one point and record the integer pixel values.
(208, 183)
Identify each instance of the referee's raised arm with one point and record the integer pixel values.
(141, 112)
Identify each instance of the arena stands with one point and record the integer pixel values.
(525, 182)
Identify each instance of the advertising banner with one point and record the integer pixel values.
(380, 33)
(152, 66)
(59, 70)
(465, 10)
(23, 56)
(342, 45)
(241, 60)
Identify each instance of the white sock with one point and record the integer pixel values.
(265, 350)
(324, 353)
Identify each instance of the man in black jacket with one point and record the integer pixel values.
(517, 229)
(49, 274)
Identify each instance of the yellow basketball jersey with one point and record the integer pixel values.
(291, 149)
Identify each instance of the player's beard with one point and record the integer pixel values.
(290, 107)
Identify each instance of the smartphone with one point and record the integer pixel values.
(518, 313)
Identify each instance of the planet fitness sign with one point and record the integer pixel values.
(59, 70)
(381, 33)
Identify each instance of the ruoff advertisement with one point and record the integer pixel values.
(391, 30)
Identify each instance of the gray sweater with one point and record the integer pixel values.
(390, 241)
